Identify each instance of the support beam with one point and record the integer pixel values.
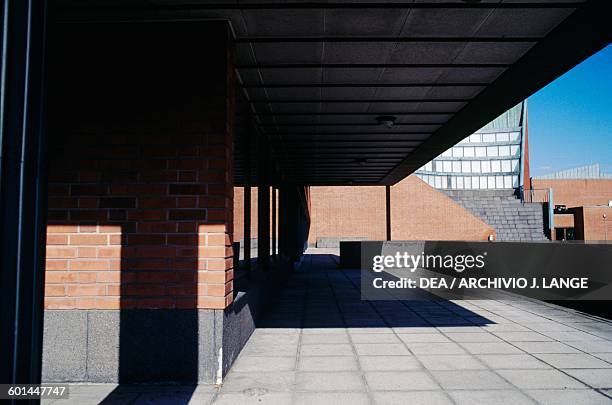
(263, 227)
(23, 190)
(263, 205)
(327, 5)
(379, 39)
(274, 219)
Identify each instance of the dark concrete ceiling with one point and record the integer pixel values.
(317, 75)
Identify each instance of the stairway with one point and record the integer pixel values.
(511, 219)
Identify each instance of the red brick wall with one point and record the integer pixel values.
(575, 193)
(418, 212)
(591, 225)
(351, 211)
(141, 158)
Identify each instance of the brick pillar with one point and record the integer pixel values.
(140, 196)
(143, 199)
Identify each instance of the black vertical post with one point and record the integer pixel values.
(247, 227)
(282, 221)
(388, 210)
(23, 193)
(263, 206)
(247, 204)
(274, 219)
(263, 226)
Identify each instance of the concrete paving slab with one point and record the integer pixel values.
(423, 337)
(595, 346)
(400, 381)
(254, 397)
(374, 338)
(488, 397)
(330, 381)
(331, 398)
(545, 347)
(569, 397)
(264, 363)
(389, 363)
(328, 363)
(525, 336)
(512, 361)
(451, 362)
(469, 379)
(490, 348)
(378, 349)
(268, 381)
(572, 360)
(325, 338)
(472, 337)
(596, 378)
(540, 379)
(411, 397)
(332, 349)
(435, 348)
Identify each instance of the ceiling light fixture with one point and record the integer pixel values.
(386, 120)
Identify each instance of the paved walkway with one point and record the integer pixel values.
(322, 345)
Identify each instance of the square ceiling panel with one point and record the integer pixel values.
(522, 22)
(288, 52)
(390, 107)
(376, 22)
(410, 75)
(345, 107)
(284, 23)
(442, 22)
(471, 75)
(425, 52)
(336, 93)
(356, 52)
(501, 52)
(454, 92)
(291, 75)
(296, 107)
(351, 75)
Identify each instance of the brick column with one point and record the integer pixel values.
(140, 198)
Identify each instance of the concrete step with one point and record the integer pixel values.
(511, 218)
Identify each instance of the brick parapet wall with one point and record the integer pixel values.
(575, 192)
(418, 212)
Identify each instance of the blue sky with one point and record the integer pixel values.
(570, 120)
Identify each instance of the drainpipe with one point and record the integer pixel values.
(551, 213)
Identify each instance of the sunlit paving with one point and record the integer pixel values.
(320, 344)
